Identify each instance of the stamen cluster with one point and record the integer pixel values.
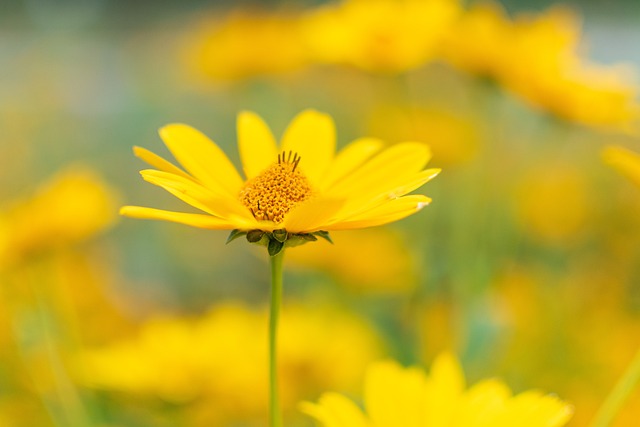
(273, 193)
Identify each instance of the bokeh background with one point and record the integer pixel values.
(526, 265)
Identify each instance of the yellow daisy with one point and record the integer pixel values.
(407, 397)
(624, 161)
(291, 192)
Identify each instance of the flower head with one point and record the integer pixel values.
(624, 161)
(538, 58)
(292, 191)
(69, 208)
(395, 396)
(179, 359)
(384, 36)
(248, 44)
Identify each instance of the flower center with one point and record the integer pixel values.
(277, 190)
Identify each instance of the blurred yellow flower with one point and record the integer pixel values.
(538, 58)
(220, 359)
(624, 161)
(384, 263)
(476, 42)
(247, 44)
(301, 187)
(547, 71)
(407, 397)
(453, 137)
(72, 206)
(387, 36)
(553, 203)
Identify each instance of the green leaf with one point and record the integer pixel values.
(234, 235)
(274, 247)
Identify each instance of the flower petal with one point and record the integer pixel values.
(366, 201)
(195, 220)
(335, 410)
(349, 158)
(390, 211)
(256, 144)
(445, 387)
(393, 394)
(390, 168)
(202, 158)
(158, 162)
(312, 135)
(311, 215)
(200, 197)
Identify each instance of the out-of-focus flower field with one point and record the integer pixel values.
(526, 265)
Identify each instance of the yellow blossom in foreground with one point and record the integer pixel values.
(217, 363)
(385, 36)
(407, 397)
(624, 161)
(539, 59)
(247, 45)
(301, 186)
(70, 207)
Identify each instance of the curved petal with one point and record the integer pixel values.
(388, 169)
(194, 220)
(158, 162)
(444, 389)
(312, 135)
(485, 400)
(335, 410)
(311, 215)
(202, 158)
(256, 144)
(393, 395)
(349, 158)
(390, 211)
(538, 410)
(393, 190)
(198, 196)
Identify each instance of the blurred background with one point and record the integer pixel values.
(526, 264)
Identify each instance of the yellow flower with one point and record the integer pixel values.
(385, 36)
(624, 161)
(564, 217)
(407, 397)
(477, 40)
(291, 191)
(453, 136)
(553, 76)
(72, 206)
(216, 364)
(247, 45)
(538, 58)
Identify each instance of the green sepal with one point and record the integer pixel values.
(324, 234)
(234, 235)
(254, 236)
(280, 235)
(274, 247)
(299, 239)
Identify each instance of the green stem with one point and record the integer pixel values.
(619, 394)
(275, 415)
